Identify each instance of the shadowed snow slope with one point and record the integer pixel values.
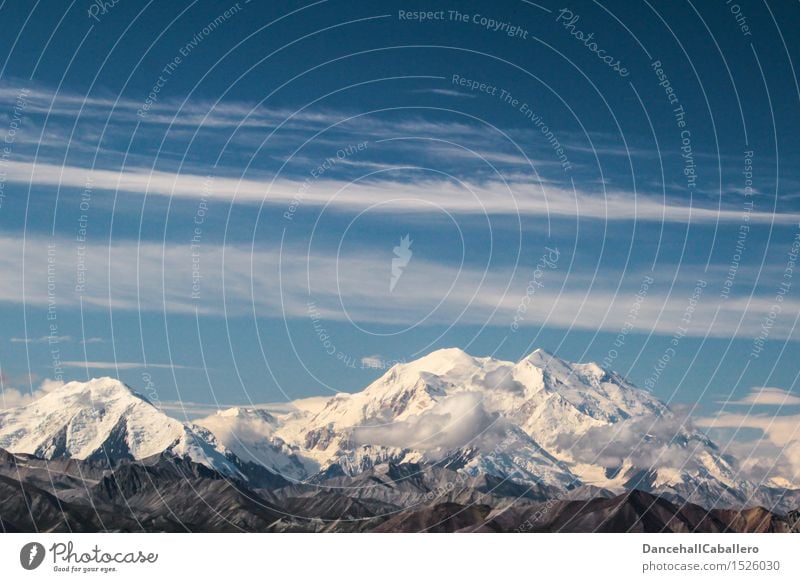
(103, 419)
(542, 422)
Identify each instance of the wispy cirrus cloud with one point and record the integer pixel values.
(93, 365)
(236, 280)
(41, 340)
(51, 339)
(421, 196)
(766, 396)
(469, 146)
(447, 93)
(374, 361)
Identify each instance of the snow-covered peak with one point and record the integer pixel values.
(249, 434)
(100, 390)
(250, 419)
(539, 358)
(541, 419)
(547, 362)
(538, 392)
(85, 419)
(245, 413)
(103, 419)
(593, 391)
(438, 402)
(439, 362)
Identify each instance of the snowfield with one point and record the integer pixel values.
(540, 421)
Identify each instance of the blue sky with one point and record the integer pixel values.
(226, 261)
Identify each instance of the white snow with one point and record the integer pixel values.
(539, 420)
(103, 418)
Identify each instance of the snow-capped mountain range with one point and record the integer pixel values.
(104, 420)
(543, 422)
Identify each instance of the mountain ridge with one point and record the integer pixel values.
(540, 422)
(169, 494)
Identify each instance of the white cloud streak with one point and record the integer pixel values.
(91, 365)
(153, 277)
(766, 396)
(489, 197)
(779, 429)
(41, 340)
(13, 397)
(775, 453)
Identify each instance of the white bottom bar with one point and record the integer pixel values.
(355, 557)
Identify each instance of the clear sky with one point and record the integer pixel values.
(209, 200)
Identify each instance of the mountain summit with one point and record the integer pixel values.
(541, 421)
(553, 426)
(104, 420)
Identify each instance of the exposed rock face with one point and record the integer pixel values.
(465, 441)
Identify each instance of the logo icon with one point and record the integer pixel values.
(31, 555)
(403, 255)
